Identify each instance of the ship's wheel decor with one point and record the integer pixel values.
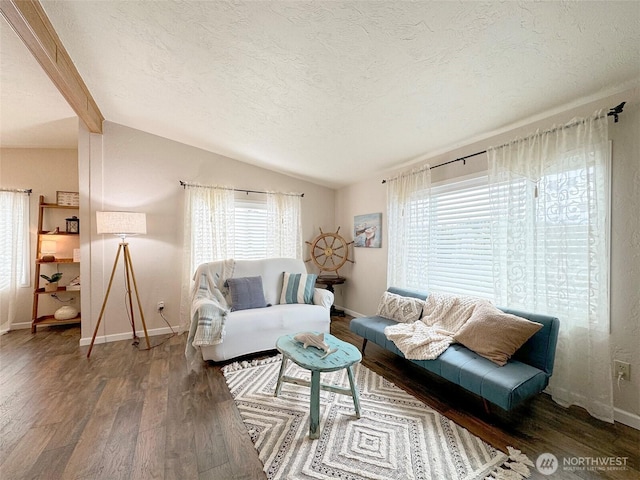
(329, 251)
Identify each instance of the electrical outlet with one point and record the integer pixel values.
(161, 305)
(622, 368)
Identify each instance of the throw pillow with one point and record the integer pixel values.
(495, 335)
(246, 292)
(298, 287)
(399, 308)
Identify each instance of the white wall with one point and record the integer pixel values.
(367, 278)
(127, 169)
(45, 170)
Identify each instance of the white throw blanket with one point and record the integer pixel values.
(209, 307)
(442, 316)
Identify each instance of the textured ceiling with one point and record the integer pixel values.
(326, 90)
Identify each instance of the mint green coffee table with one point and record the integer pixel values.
(309, 358)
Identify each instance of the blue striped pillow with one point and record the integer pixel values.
(298, 287)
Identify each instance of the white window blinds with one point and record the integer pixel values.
(459, 258)
(250, 242)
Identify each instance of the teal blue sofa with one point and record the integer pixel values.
(526, 374)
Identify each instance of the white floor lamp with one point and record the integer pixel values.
(122, 224)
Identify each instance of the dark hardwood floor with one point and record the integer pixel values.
(133, 414)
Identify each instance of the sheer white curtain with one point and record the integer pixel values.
(408, 215)
(208, 233)
(550, 203)
(284, 226)
(14, 253)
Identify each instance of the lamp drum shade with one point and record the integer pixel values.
(48, 247)
(121, 223)
(48, 251)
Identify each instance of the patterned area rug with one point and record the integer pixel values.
(397, 437)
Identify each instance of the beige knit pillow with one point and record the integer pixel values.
(399, 308)
(494, 334)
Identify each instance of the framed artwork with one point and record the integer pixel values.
(68, 199)
(367, 230)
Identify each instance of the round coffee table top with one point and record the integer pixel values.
(311, 357)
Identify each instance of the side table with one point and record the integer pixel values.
(329, 282)
(310, 358)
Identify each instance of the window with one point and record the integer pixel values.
(250, 233)
(221, 223)
(14, 235)
(460, 253)
(448, 246)
(14, 252)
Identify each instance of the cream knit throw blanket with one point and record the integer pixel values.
(209, 307)
(442, 316)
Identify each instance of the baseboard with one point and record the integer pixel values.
(627, 418)
(116, 337)
(349, 312)
(108, 338)
(20, 326)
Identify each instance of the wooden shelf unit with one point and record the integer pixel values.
(37, 317)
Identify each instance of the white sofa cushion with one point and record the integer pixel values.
(256, 330)
(270, 269)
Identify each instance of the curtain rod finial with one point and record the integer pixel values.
(615, 111)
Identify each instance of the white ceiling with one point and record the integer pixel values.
(327, 90)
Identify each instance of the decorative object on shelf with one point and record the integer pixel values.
(74, 284)
(68, 199)
(67, 312)
(122, 224)
(76, 255)
(52, 284)
(367, 230)
(73, 224)
(309, 339)
(329, 252)
(48, 251)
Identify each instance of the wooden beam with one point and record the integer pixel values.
(30, 22)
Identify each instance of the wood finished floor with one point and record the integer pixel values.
(129, 414)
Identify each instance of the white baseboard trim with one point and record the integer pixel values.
(627, 418)
(350, 312)
(108, 338)
(20, 326)
(116, 337)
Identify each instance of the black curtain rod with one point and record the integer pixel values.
(28, 191)
(185, 185)
(613, 112)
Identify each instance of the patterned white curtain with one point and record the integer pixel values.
(408, 214)
(550, 205)
(208, 234)
(284, 225)
(14, 253)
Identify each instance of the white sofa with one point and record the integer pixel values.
(257, 329)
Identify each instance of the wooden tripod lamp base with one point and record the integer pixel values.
(122, 224)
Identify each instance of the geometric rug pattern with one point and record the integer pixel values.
(397, 436)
